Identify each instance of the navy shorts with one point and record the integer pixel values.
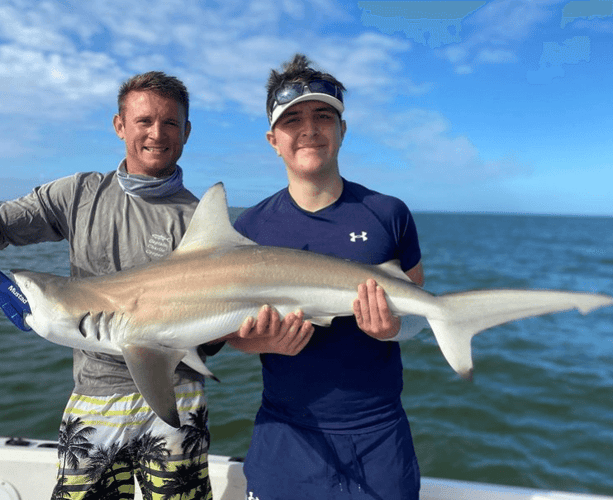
(289, 462)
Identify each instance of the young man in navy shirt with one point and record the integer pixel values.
(331, 424)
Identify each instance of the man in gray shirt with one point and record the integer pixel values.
(115, 221)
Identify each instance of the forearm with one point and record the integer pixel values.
(249, 345)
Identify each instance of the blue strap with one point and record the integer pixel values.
(13, 302)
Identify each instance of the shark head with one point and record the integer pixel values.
(49, 318)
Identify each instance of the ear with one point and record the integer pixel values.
(272, 140)
(119, 126)
(343, 129)
(188, 129)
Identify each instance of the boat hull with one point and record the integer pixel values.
(22, 460)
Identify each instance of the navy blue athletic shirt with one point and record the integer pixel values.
(343, 380)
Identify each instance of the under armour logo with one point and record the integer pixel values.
(354, 237)
(251, 497)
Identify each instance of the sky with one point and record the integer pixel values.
(497, 106)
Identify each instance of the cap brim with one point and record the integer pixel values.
(328, 99)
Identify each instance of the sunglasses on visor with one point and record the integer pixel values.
(291, 91)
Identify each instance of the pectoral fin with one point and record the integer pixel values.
(152, 369)
(193, 360)
(321, 320)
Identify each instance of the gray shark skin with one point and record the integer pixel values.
(156, 315)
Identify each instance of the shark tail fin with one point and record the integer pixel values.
(465, 314)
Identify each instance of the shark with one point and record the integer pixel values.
(156, 315)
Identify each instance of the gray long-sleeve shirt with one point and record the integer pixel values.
(108, 231)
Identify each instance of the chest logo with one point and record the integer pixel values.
(355, 237)
(159, 246)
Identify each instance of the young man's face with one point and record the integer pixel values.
(308, 136)
(154, 130)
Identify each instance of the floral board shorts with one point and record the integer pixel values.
(105, 442)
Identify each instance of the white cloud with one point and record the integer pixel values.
(596, 25)
(455, 53)
(424, 138)
(55, 52)
(463, 69)
(38, 83)
(493, 56)
(223, 52)
(496, 32)
(505, 20)
(31, 28)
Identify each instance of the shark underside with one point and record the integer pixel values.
(156, 315)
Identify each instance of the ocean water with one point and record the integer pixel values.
(539, 412)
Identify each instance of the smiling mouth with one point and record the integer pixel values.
(156, 150)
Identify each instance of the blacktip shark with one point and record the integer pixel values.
(156, 315)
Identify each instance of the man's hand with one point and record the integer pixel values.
(372, 312)
(268, 334)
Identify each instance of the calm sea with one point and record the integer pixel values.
(538, 414)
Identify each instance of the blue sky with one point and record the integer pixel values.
(497, 106)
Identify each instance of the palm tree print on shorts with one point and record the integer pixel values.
(89, 471)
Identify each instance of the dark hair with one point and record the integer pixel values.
(158, 83)
(299, 69)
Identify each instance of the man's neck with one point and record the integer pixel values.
(160, 174)
(315, 194)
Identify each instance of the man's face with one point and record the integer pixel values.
(154, 130)
(308, 136)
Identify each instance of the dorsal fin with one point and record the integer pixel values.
(210, 226)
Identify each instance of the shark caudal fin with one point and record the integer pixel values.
(465, 314)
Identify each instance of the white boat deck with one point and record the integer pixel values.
(27, 472)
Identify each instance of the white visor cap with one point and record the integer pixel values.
(279, 109)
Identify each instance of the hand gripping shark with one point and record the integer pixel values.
(155, 315)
